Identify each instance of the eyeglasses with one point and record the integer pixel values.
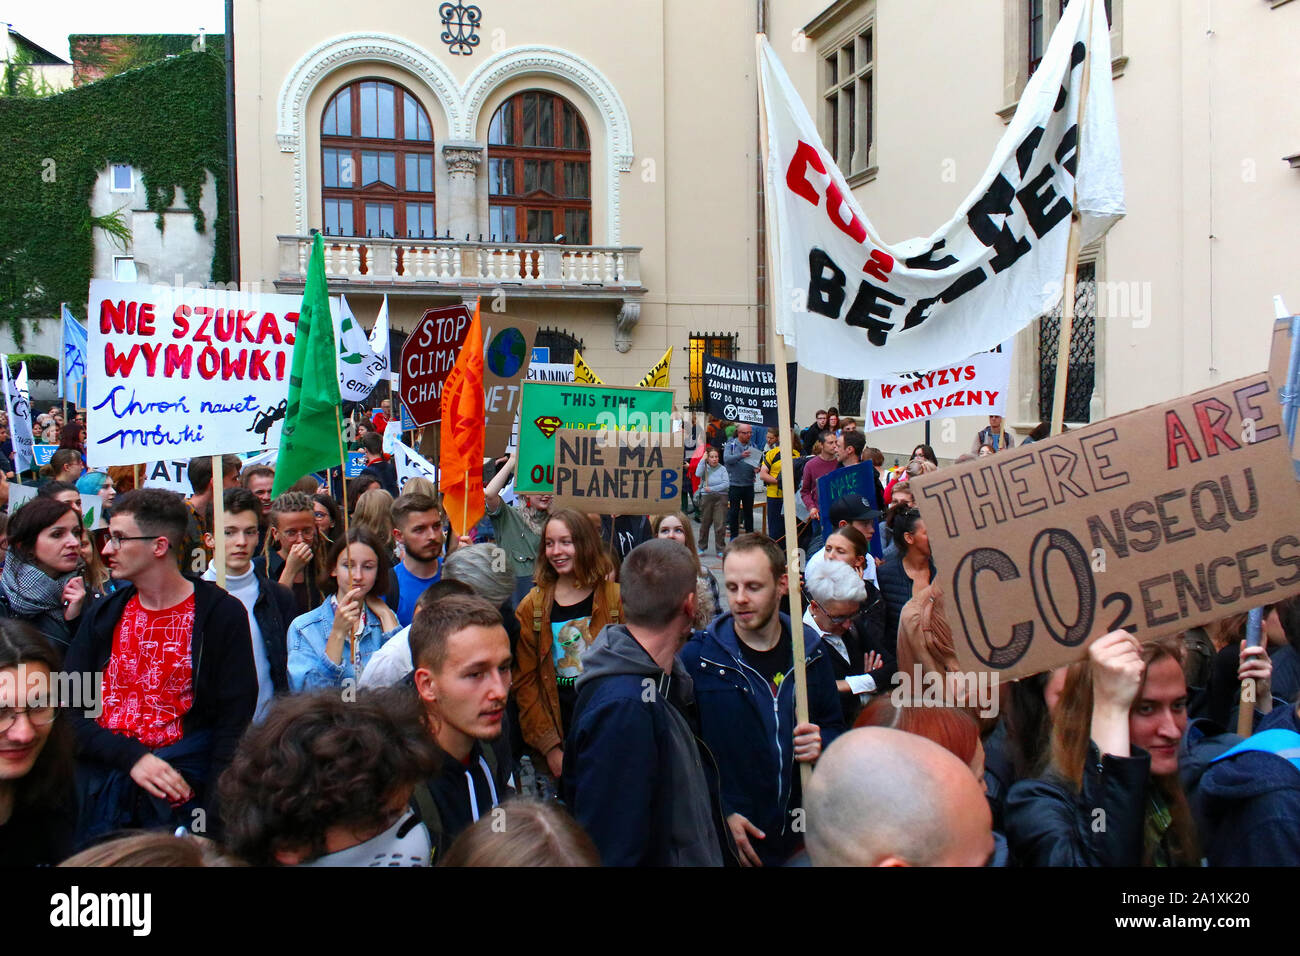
(843, 619)
(36, 716)
(115, 540)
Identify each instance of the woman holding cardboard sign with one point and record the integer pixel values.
(558, 620)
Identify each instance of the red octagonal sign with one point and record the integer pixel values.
(427, 359)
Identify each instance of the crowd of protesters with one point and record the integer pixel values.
(359, 686)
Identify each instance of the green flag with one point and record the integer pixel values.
(309, 440)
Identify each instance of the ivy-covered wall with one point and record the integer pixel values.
(166, 119)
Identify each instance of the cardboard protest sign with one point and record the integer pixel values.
(507, 345)
(1154, 522)
(618, 472)
(428, 355)
(977, 386)
(743, 391)
(185, 372)
(859, 479)
(550, 406)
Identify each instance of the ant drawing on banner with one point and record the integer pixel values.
(265, 418)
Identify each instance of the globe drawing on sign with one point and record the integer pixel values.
(507, 353)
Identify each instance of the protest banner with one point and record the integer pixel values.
(19, 409)
(583, 373)
(43, 453)
(428, 355)
(411, 464)
(361, 362)
(657, 376)
(1155, 521)
(549, 406)
(977, 386)
(539, 372)
(856, 306)
(618, 472)
(743, 391)
(507, 345)
(355, 464)
(184, 372)
(172, 474)
(859, 479)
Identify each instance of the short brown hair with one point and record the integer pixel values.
(430, 632)
(759, 542)
(532, 834)
(655, 578)
(257, 471)
(409, 504)
(590, 559)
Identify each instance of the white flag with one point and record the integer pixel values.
(379, 339)
(411, 464)
(20, 416)
(855, 306)
(359, 369)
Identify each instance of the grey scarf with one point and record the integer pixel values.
(29, 590)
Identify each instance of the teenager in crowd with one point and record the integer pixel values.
(1117, 743)
(882, 797)
(270, 607)
(259, 479)
(527, 833)
(462, 675)
(769, 473)
(517, 530)
(416, 523)
(325, 781)
(374, 511)
(97, 483)
(827, 460)
(813, 432)
(633, 773)
(65, 465)
(833, 419)
(742, 668)
(712, 499)
(558, 621)
(325, 648)
(908, 572)
(677, 527)
(294, 557)
(38, 813)
(62, 491)
(40, 583)
(94, 571)
(194, 556)
(357, 487)
(994, 436)
(837, 594)
(378, 465)
(179, 684)
(329, 521)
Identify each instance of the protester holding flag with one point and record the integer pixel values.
(325, 646)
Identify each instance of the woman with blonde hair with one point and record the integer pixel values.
(708, 601)
(558, 621)
(529, 833)
(374, 512)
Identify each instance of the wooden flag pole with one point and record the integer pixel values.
(1072, 251)
(788, 490)
(347, 547)
(219, 519)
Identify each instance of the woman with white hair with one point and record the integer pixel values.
(836, 591)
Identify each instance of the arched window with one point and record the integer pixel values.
(539, 170)
(376, 163)
(562, 345)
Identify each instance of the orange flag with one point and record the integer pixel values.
(460, 470)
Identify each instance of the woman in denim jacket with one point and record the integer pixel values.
(324, 647)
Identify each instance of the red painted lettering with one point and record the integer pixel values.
(178, 359)
(796, 175)
(1177, 436)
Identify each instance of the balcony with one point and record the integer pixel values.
(394, 266)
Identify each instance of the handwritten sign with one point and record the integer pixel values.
(1154, 522)
(548, 407)
(977, 386)
(185, 372)
(859, 479)
(507, 345)
(618, 472)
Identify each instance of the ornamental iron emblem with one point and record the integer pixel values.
(461, 23)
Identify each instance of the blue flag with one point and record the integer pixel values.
(72, 371)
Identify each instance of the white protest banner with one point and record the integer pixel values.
(855, 306)
(379, 342)
(171, 475)
(360, 369)
(19, 410)
(977, 386)
(184, 372)
(411, 464)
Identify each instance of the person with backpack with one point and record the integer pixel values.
(558, 622)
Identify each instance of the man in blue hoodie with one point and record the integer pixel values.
(743, 669)
(633, 774)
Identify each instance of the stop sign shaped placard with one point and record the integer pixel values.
(427, 358)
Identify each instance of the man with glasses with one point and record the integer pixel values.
(292, 558)
(178, 683)
(862, 664)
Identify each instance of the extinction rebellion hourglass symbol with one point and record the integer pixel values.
(464, 21)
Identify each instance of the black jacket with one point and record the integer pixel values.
(50, 623)
(224, 677)
(896, 589)
(274, 610)
(383, 471)
(458, 794)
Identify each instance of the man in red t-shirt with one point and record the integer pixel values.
(179, 684)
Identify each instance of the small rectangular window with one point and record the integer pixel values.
(124, 268)
(419, 173)
(377, 167)
(577, 184)
(541, 225)
(502, 223)
(338, 217)
(539, 174)
(122, 178)
(501, 177)
(379, 220)
(419, 220)
(577, 227)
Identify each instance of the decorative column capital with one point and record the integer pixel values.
(462, 158)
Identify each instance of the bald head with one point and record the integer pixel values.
(882, 797)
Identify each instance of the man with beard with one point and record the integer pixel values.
(518, 530)
(417, 527)
(462, 675)
(633, 774)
